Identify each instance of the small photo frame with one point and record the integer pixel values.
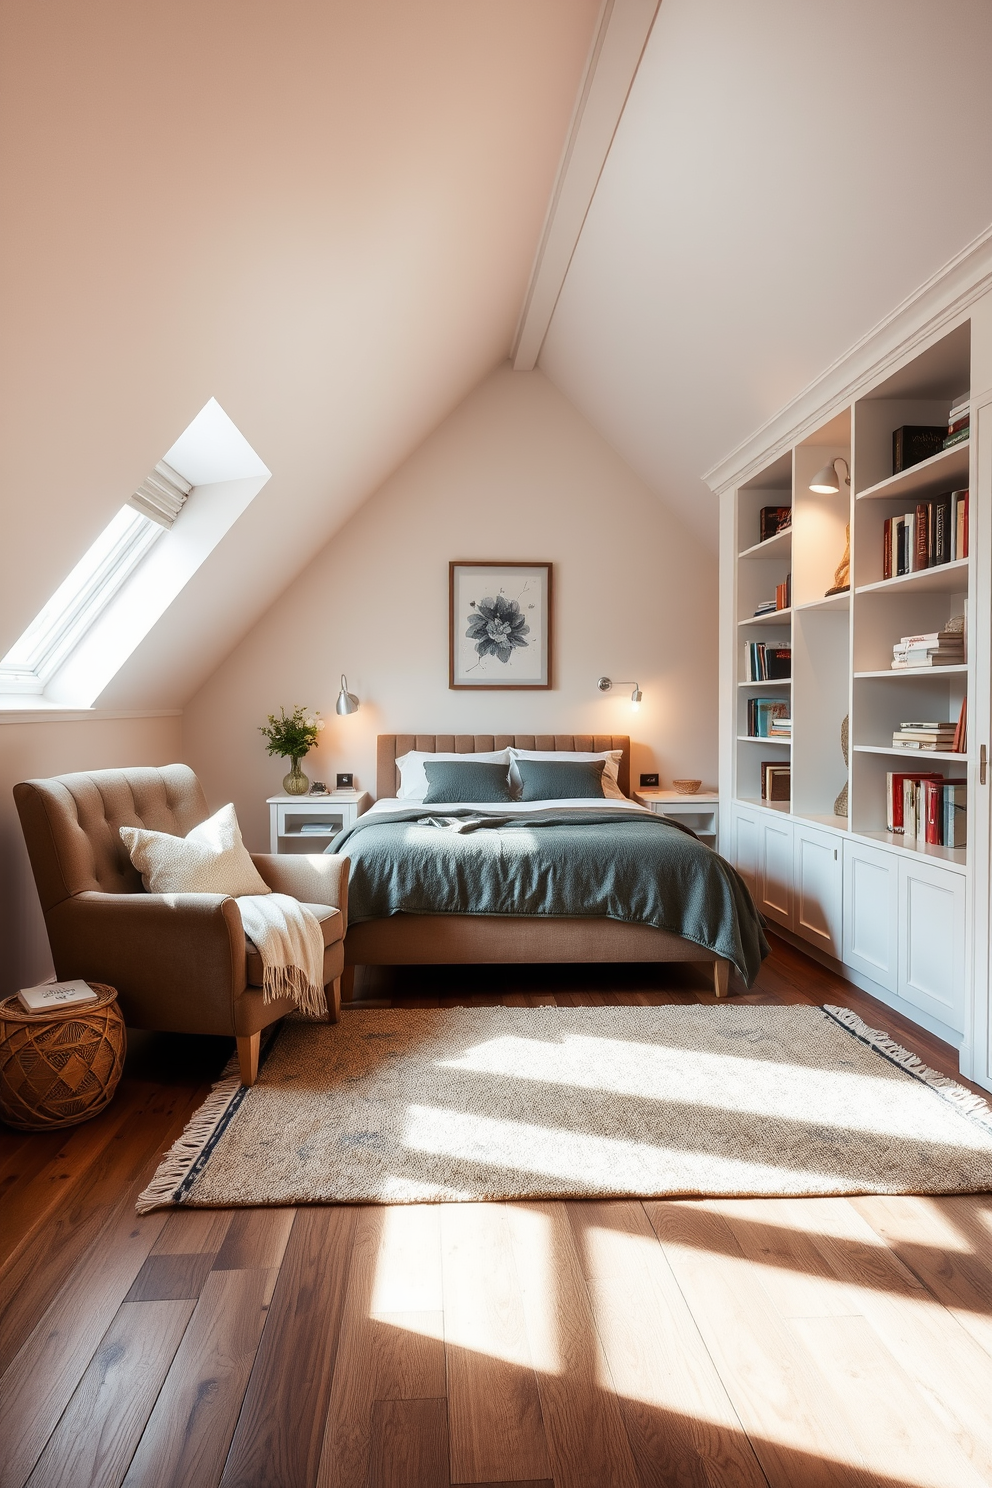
(500, 625)
(344, 781)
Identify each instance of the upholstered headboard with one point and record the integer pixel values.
(393, 746)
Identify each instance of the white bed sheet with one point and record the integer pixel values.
(387, 804)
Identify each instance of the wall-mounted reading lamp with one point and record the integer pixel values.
(605, 683)
(347, 701)
(826, 482)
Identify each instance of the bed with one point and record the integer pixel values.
(380, 935)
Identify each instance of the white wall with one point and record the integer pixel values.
(36, 750)
(515, 473)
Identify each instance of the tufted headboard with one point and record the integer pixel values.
(391, 747)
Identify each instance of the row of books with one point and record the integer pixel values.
(767, 663)
(925, 807)
(782, 600)
(945, 738)
(768, 718)
(929, 648)
(935, 532)
(912, 443)
(776, 781)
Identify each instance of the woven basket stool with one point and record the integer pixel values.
(61, 1066)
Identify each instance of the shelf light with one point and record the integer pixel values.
(826, 482)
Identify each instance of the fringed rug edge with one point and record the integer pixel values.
(178, 1168)
(965, 1101)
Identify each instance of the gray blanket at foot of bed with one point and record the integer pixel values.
(564, 862)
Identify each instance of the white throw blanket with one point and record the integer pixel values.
(291, 944)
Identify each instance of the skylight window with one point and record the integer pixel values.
(80, 599)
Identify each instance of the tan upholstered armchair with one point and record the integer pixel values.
(180, 962)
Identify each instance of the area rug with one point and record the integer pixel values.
(406, 1106)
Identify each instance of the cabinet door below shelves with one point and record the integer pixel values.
(744, 848)
(931, 940)
(818, 887)
(871, 913)
(775, 865)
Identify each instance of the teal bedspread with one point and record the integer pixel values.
(562, 861)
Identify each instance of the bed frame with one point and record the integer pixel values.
(432, 940)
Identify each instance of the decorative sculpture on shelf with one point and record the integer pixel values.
(840, 805)
(842, 573)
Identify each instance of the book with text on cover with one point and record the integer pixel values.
(55, 995)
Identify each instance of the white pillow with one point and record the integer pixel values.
(212, 859)
(413, 781)
(611, 764)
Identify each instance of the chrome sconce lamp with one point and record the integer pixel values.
(606, 683)
(827, 482)
(347, 701)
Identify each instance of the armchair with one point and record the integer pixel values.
(180, 962)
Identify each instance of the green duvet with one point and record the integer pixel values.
(586, 862)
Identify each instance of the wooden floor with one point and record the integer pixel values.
(793, 1343)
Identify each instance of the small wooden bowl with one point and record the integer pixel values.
(686, 787)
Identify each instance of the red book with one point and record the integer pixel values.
(922, 534)
(887, 549)
(933, 811)
(895, 781)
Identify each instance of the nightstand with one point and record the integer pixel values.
(329, 815)
(700, 812)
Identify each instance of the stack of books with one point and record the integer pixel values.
(924, 808)
(935, 532)
(925, 735)
(776, 781)
(766, 607)
(768, 718)
(766, 663)
(931, 648)
(958, 421)
(772, 520)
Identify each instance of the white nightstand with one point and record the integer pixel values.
(700, 812)
(333, 812)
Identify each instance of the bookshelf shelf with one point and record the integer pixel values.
(779, 682)
(945, 471)
(839, 602)
(764, 739)
(774, 617)
(925, 673)
(784, 806)
(956, 856)
(920, 755)
(772, 547)
(946, 578)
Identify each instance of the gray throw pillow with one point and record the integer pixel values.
(561, 780)
(449, 781)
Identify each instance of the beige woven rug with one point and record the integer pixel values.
(405, 1105)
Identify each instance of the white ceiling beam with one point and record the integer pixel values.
(618, 45)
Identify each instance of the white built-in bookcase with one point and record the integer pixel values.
(908, 923)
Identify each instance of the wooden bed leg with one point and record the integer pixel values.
(347, 984)
(248, 1057)
(721, 978)
(333, 994)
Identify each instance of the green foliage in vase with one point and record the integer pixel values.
(292, 735)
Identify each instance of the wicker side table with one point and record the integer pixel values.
(61, 1066)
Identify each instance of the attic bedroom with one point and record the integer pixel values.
(493, 495)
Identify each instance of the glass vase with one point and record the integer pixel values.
(295, 783)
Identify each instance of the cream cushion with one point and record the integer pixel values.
(611, 764)
(212, 859)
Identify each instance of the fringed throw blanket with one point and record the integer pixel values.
(289, 940)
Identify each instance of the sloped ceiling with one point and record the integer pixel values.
(321, 212)
(783, 175)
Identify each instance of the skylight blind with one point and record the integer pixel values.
(161, 495)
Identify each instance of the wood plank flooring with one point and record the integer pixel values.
(772, 1343)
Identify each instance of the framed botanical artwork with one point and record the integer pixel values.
(500, 622)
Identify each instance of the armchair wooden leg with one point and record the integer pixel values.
(721, 978)
(348, 983)
(333, 994)
(248, 1057)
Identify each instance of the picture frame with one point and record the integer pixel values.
(500, 625)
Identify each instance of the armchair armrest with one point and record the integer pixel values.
(177, 960)
(317, 878)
